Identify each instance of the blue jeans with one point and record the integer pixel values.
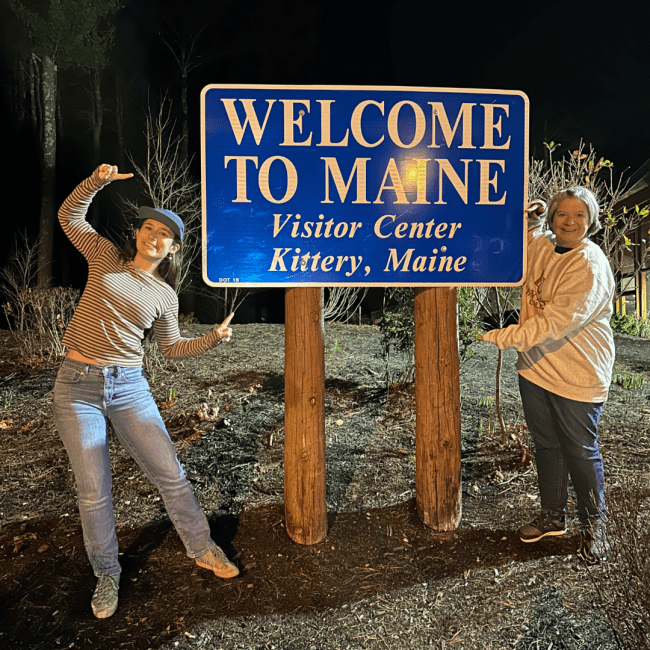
(565, 435)
(86, 398)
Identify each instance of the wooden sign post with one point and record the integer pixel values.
(437, 396)
(304, 419)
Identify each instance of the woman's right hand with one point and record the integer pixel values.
(105, 174)
(225, 332)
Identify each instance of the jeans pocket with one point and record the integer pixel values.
(68, 375)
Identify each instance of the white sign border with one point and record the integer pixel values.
(413, 89)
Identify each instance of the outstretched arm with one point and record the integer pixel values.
(172, 345)
(582, 295)
(72, 214)
(535, 215)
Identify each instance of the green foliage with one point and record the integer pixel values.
(628, 324)
(628, 380)
(468, 324)
(582, 167)
(397, 325)
(7, 398)
(577, 167)
(490, 429)
(336, 348)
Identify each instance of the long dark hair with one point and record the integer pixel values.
(169, 268)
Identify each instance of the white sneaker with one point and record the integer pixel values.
(104, 600)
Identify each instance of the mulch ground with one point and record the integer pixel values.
(379, 580)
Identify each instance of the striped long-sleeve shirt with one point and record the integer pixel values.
(120, 300)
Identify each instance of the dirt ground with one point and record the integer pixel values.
(381, 579)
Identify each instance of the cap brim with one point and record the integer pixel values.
(146, 212)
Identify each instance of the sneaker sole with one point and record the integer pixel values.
(104, 614)
(551, 533)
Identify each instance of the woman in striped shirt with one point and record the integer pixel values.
(101, 380)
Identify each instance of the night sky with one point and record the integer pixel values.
(585, 71)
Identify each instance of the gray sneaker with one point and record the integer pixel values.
(104, 601)
(544, 525)
(216, 561)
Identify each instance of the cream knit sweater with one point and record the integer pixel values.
(563, 338)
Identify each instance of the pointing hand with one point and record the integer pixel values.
(105, 174)
(224, 332)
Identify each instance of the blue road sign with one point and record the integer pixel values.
(360, 186)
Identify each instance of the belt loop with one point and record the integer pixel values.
(87, 370)
(115, 370)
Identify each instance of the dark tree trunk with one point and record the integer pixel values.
(48, 179)
(97, 120)
(119, 120)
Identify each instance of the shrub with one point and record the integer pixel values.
(628, 324)
(582, 167)
(37, 315)
(39, 318)
(623, 580)
(397, 326)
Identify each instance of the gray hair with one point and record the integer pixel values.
(584, 195)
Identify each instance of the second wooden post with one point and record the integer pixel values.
(304, 419)
(437, 396)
